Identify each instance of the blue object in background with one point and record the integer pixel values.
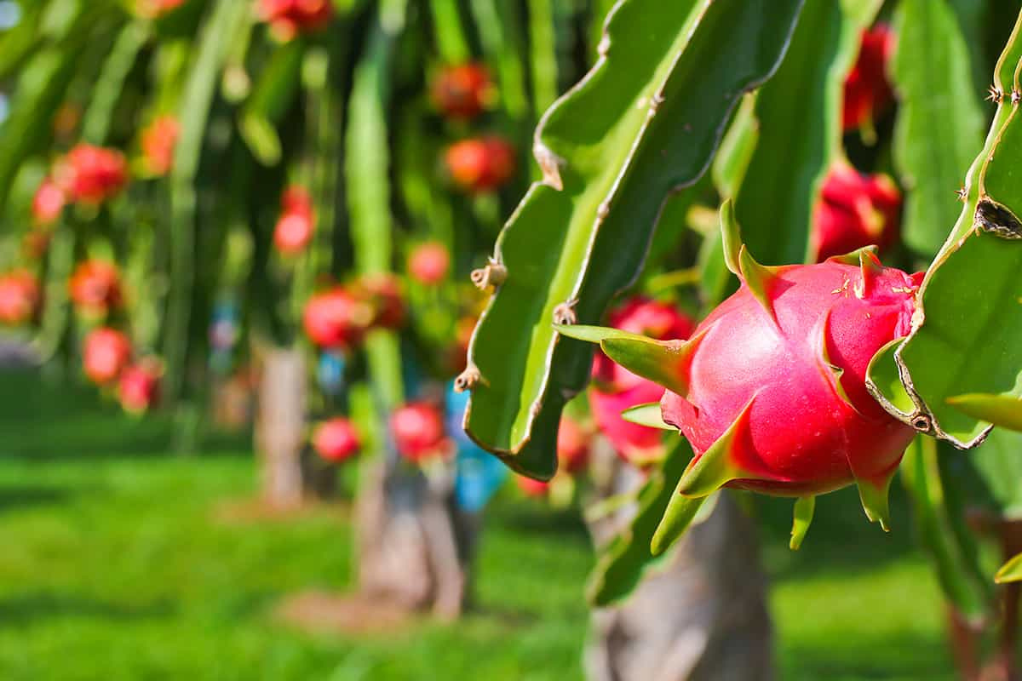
(478, 475)
(330, 372)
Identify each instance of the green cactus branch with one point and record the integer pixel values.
(967, 338)
(798, 116)
(644, 122)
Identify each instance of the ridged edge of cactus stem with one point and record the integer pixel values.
(510, 422)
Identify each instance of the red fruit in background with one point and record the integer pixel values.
(779, 405)
(96, 287)
(573, 446)
(867, 92)
(158, 142)
(336, 439)
(532, 488)
(428, 263)
(294, 228)
(478, 165)
(287, 18)
(336, 319)
(855, 210)
(48, 202)
(91, 174)
(382, 291)
(615, 389)
(19, 297)
(462, 91)
(105, 354)
(138, 388)
(418, 431)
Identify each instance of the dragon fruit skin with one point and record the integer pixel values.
(616, 389)
(775, 381)
(854, 211)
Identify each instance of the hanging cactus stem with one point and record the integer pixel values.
(803, 513)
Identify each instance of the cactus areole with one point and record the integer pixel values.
(770, 388)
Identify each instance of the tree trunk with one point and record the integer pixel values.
(413, 544)
(701, 616)
(280, 426)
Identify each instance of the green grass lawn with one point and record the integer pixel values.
(114, 566)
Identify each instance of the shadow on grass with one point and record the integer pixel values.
(906, 657)
(28, 608)
(17, 497)
(536, 518)
(45, 420)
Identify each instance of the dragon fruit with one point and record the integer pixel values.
(770, 389)
(95, 287)
(288, 18)
(294, 227)
(138, 388)
(573, 446)
(428, 263)
(48, 202)
(532, 488)
(336, 319)
(91, 174)
(866, 92)
(418, 431)
(462, 91)
(480, 165)
(336, 439)
(105, 353)
(616, 389)
(855, 211)
(158, 141)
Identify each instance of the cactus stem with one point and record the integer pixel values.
(803, 513)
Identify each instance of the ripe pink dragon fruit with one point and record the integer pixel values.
(48, 202)
(95, 287)
(573, 446)
(294, 228)
(336, 319)
(428, 263)
(418, 431)
(867, 92)
(770, 388)
(462, 91)
(855, 211)
(158, 142)
(91, 174)
(336, 440)
(105, 353)
(615, 389)
(138, 388)
(19, 297)
(288, 18)
(480, 165)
